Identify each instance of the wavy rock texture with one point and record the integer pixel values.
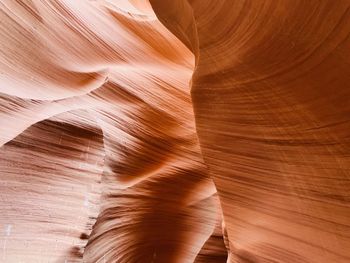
(271, 98)
(100, 160)
(98, 130)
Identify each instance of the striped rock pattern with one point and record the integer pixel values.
(175, 131)
(271, 97)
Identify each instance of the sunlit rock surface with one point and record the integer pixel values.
(106, 108)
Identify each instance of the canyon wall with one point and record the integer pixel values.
(174, 131)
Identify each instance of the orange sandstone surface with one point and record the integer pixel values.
(175, 131)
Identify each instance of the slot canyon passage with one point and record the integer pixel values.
(175, 131)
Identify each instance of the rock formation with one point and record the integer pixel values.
(175, 131)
